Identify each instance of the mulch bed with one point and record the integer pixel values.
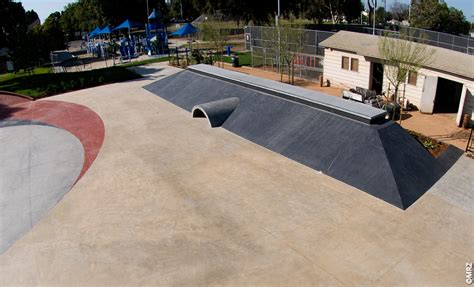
(434, 147)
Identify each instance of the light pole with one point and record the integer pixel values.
(147, 16)
(277, 18)
(375, 13)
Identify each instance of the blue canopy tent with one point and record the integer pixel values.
(104, 31)
(160, 31)
(127, 24)
(155, 26)
(94, 32)
(153, 15)
(185, 30)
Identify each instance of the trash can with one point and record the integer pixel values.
(235, 61)
(393, 110)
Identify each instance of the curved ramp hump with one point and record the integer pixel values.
(216, 112)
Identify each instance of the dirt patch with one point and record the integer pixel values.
(434, 147)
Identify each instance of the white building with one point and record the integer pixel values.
(444, 85)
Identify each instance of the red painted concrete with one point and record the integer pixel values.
(79, 120)
(9, 99)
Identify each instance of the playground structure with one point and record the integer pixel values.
(129, 39)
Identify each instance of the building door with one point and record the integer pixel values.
(377, 77)
(448, 96)
(428, 95)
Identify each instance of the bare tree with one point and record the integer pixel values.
(401, 56)
(286, 44)
(217, 36)
(372, 6)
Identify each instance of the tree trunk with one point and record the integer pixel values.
(395, 100)
(292, 72)
(289, 72)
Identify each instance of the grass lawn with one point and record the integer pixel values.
(208, 45)
(144, 62)
(8, 76)
(45, 84)
(245, 58)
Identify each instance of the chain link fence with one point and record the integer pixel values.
(309, 60)
(309, 56)
(432, 38)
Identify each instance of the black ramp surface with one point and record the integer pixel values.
(382, 160)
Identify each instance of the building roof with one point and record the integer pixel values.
(453, 62)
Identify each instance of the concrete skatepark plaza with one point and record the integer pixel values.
(169, 201)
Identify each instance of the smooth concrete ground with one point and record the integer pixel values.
(170, 201)
(39, 164)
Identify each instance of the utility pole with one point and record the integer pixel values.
(181, 6)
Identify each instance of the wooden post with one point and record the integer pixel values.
(187, 58)
(169, 56)
(177, 57)
(403, 102)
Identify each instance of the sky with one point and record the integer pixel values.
(46, 7)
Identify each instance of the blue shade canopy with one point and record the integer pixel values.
(154, 26)
(153, 15)
(94, 32)
(185, 30)
(127, 24)
(106, 30)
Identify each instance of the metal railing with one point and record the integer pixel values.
(469, 145)
(432, 38)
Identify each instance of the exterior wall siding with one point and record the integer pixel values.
(349, 79)
(414, 93)
(345, 78)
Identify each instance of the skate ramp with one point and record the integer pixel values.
(350, 143)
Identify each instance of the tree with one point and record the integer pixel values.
(31, 17)
(381, 15)
(286, 43)
(315, 11)
(372, 6)
(81, 16)
(215, 33)
(116, 11)
(437, 16)
(186, 7)
(401, 56)
(13, 24)
(352, 9)
(399, 11)
(336, 10)
(53, 33)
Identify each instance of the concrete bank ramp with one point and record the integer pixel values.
(350, 142)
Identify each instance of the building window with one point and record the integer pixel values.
(354, 65)
(412, 77)
(345, 63)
